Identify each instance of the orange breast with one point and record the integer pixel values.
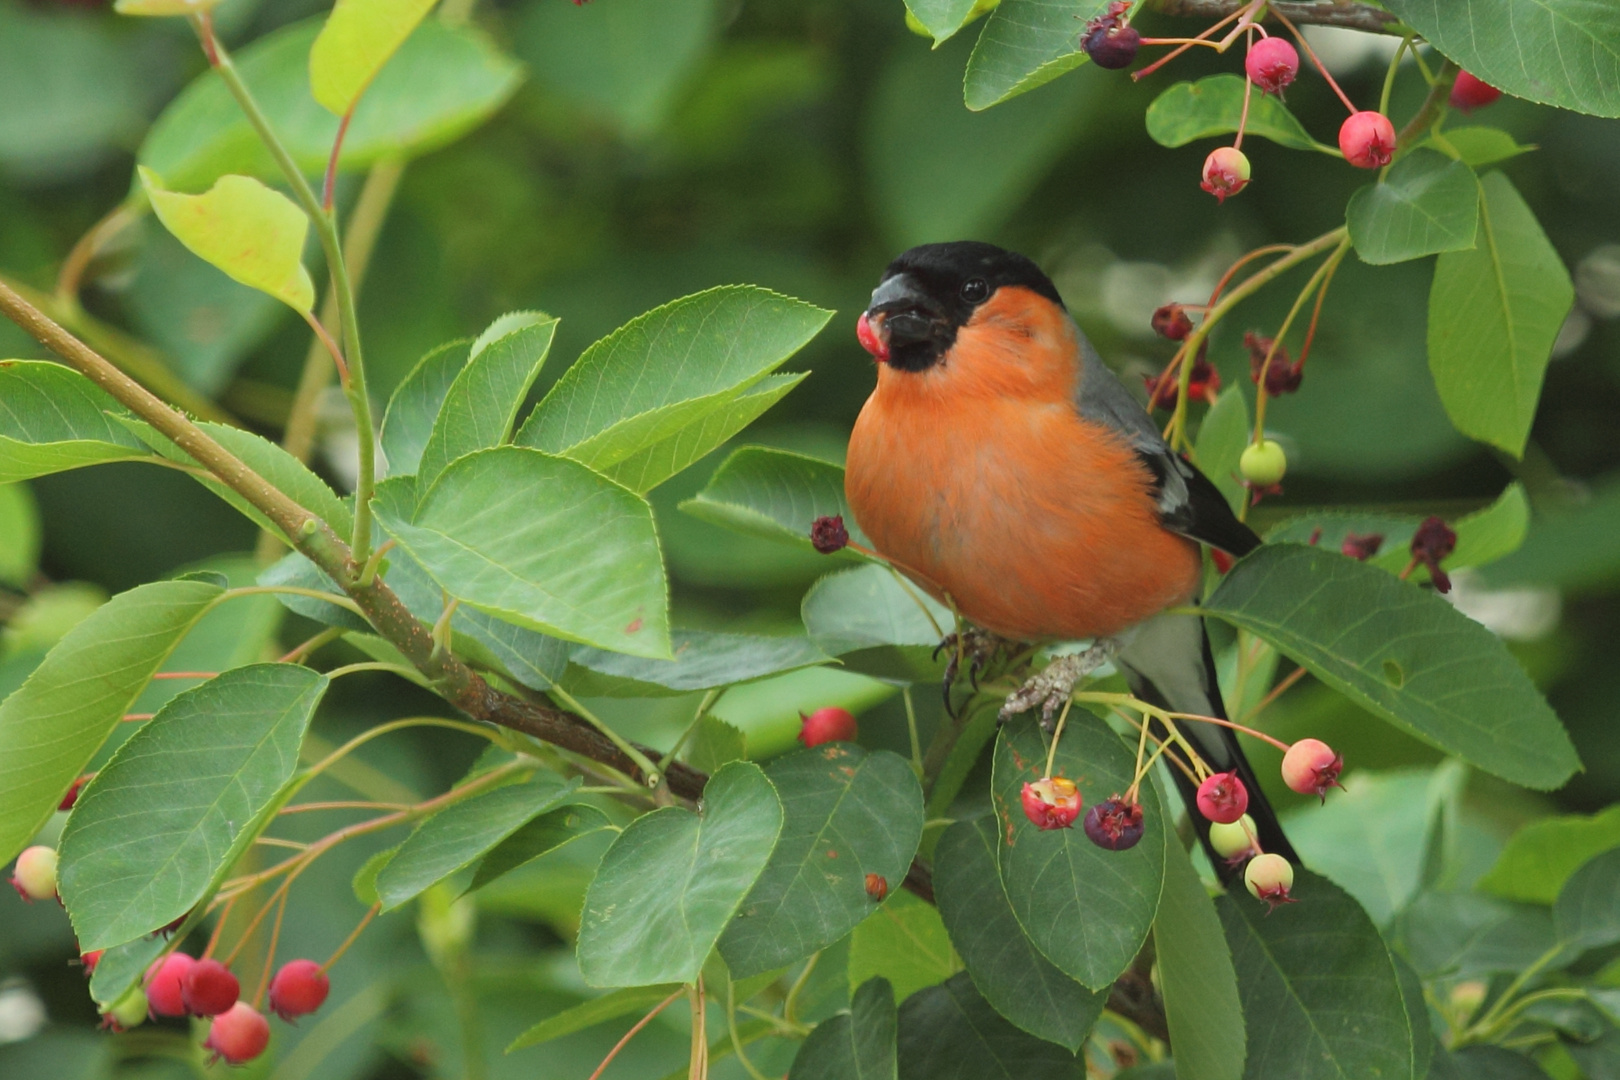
(1001, 499)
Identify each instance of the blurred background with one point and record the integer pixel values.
(653, 149)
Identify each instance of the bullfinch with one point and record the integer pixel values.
(1005, 469)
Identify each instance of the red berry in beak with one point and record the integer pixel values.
(1114, 824)
(1269, 877)
(1226, 172)
(298, 989)
(830, 724)
(163, 984)
(1311, 767)
(209, 988)
(1469, 93)
(1223, 798)
(1052, 803)
(1272, 63)
(869, 339)
(239, 1034)
(1368, 140)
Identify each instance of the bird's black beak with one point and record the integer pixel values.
(905, 314)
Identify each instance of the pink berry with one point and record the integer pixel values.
(1052, 803)
(1368, 140)
(1114, 824)
(1311, 767)
(1223, 798)
(34, 877)
(1469, 93)
(163, 984)
(830, 724)
(1226, 172)
(209, 988)
(1272, 63)
(1269, 877)
(238, 1034)
(298, 989)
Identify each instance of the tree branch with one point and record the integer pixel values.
(1349, 14)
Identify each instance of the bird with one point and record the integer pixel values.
(1006, 470)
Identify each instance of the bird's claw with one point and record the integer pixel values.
(1051, 686)
(978, 646)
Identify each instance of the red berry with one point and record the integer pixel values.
(1311, 767)
(1052, 802)
(1269, 877)
(830, 724)
(827, 534)
(89, 960)
(163, 984)
(1111, 47)
(877, 887)
(1223, 562)
(1226, 172)
(1171, 321)
(1469, 93)
(238, 1034)
(34, 876)
(1222, 797)
(869, 339)
(1272, 63)
(1114, 824)
(298, 989)
(72, 795)
(1367, 139)
(209, 988)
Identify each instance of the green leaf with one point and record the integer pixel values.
(1025, 44)
(1221, 439)
(672, 881)
(463, 833)
(846, 813)
(949, 1032)
(943, 18)
(877, 623)
(543, 542)
(1426, 204)
(1480, 146)
(1320, 993)
(543, 835)
(415, 405)
(1494, 313)
(1540, 857)
(1485, 1063)
(632, 999)
(1196, 977)
(857, 1045)
(1404, 654)
(1017, 981)
(483, 401)
(254, 234)
(1466, 936)
(715, 743)
(357, 40)
(52, 725)
(641, 387)
(1587, 911)
(52, 419)
(164, 7)
(364, 882)
(773, 494)
(1555, 52)
(704, 660)
(19, 535)
(443, 82)
(1568, 548)
(905, 942)
(1213, 105)
(181, 800)
(1086, 909)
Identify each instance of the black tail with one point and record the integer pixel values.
(1168, 663)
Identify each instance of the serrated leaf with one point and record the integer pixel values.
(773, 494)
(464, 832)
(1587, 911)
(252, 233)
(53, 419)
(357, 40)
(949, 1032)
(52, 725)
(415, 405)
(1213, 105)
(1196, 977)
(673, 879)
(1426, 204)
(122, 966)
(1017, 981)
(1540, 857)
(877, 623)
(704, 660)
(1025, 44)
(1321, 995)
(857, 1045)
(179, 801)
(540, 541)
(1494, 313)
(543, 835)
(1402, 653)
(905, 942)
(847, 813)
(1086, 909)
(715, 743)
(943, 18)
(1466, 936)
(632, 999)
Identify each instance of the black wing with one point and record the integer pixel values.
(1190, 504)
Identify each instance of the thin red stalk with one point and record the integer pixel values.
(331, 346)
(304, 808)
(330, 183)
(1167, 57)
(354, 935)
(270, 955)
(1226, 279)
(1277, 691)
(279, 894)
(1316, 313)
(213, 939)
(134, 717)
(1278, 743)
(186, 675)
(643, 1022)
(1243, 120)
(1310, 52)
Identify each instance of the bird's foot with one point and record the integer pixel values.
(978, 647)
(1051, 686)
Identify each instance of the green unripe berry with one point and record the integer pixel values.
(1233, 839)
(1263, 463)
(128, 1011)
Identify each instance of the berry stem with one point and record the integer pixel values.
(1316, 279)
(643, 1022)
(1389, 75)
(698, 1069)
(1057, 733)
(1243, 119)
(1303, 44)
(1245, 15)
(1276, 692)
(354, 935)
(219, 925)
(1278, 743)
(1434, 107)
(298, 652)
(1163, 744)
(270, 953)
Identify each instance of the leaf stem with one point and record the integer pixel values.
(1434, 107)
(639, 1024)
(1318, 278)
(1389, 75)
(651, 774)
(354, 935)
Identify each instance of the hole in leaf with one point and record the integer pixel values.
(1393, 674)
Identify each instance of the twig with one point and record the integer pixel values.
(1345, 13)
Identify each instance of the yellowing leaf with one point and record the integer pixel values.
(355, 43)
(164, 7)
(254, 234)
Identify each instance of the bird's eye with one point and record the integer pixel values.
(975, 290)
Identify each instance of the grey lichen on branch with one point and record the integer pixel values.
(1349, 14)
